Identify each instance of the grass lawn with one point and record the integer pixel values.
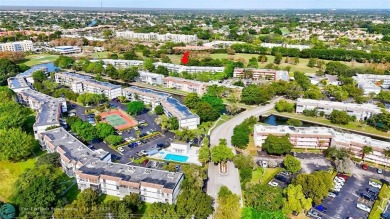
(100, 55)
(269, 174)
(352, 126)
(301, 66)
(380, 203)
(317, 151)
(9, 173)
(251, 149)
(39, 59)
(103, 198)
(72, 193)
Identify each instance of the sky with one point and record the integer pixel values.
(217, 4)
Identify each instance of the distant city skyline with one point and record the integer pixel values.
(209, 4)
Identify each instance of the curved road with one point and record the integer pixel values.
(225, 130)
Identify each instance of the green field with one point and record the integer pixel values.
(302, 66)
(39, 59)
(9, 173)
(269, 173)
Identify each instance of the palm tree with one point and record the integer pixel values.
(366, 150)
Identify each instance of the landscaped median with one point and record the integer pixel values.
(381, 202)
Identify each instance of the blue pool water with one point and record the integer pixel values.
(176, 158)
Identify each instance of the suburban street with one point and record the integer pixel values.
(225, 130)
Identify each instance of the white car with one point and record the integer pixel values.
(332, 195)
(338, 182)
(363, 207)
(375, 184)
(338, 186)
(336, 189)
(339, 179)
(274, 184)
(121, 149)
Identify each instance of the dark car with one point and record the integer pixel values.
(321, 208)
(373, 191)
(282, 178)
(367, 196)
(133, 145)
(385, 215)
(160, 145)
(91, 115)
(142, 135)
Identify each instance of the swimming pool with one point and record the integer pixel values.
(176, 158)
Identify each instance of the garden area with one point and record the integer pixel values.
(264, 175)
(39, 59)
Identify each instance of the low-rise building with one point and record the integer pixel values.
(63, 50)
(85, 84)
(120, 63)
(322, 138)
(19, 46)
(260, 74)
(290, 46)
(151, 78)
(94, 170)
(360, 111)
(178, 38)
(186, 85)
(179, 147)
(189, 69)
(371, 83)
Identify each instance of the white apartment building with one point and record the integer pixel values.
(372, 83)
(19, 46)
(272, 45)
(322, 138)
(186, 85)
(151, 78)
(120, 63)
(85, 84)
(94, 170)
(63, 50)
(189, 69)
(360, 111)
(177, 38)
(260, 74)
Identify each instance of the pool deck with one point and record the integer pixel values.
(192, 155)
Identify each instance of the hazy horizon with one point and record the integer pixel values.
(203, 4)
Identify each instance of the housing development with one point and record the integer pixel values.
(168, 110)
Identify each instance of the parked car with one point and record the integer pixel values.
(133, 145)
(313, 213)
(282, 178)
(340, 175)
(373, 190)
(364, 166)
(321, 208)
(375, 184)
(136, 128)
(273, 184)
(121, 149)
(379, 171)
(142, 135)
(145, 162)
(385, 215)
(363, 207)
(367, 196)
(264, 164)
(332, 195)
(160, 145)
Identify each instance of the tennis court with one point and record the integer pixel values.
(119, 119)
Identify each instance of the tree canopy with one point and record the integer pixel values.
(292, 164)
(221, 153)
(135, 107)
(277, 145)
(16, 145)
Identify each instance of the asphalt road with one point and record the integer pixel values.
(225, 130)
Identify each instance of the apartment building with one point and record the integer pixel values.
(94, 170)
(260, 74)
(172, 107)
(19, 46)
(120, 63)
(322, 138)
(85, 84)
(48, 109)
(64, 50)
(177, 38)
(360, 111)
(372, 83)
(185, 85)
(189, 69)
(151, 78)
(290, 46)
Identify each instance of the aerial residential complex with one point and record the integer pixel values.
(360, 111)
(189, 69)
(94, 170)
(371, 83)
(178, 38)
(322, 138)
(19, 46)
(85, 84)
(120, 63)
(260, 74)
(185, 85)
(151, 78)
(172, 107)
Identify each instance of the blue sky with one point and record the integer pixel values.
(223, 4)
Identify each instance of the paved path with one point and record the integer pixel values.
(225, 130)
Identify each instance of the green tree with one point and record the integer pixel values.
(162, 211)
(204, 154)
(159, 110)
(278, 58)
(51, 159)
(277, 145)
(194, 203)
(15, 144)
(253, 94)
(107, 34)
(173, 123)
(221, 154)
(302, 80)
(7, 69)
(336, 68)
(64, 62)
(84, 130)
(251, 213)
(103, 130)
(366, 150)
(113, 139)
(294, 122)
(12, 115)
(312, 63)
(295, 200)
(112, 72)
(130, 55)
(228, 205)
(129, 74)
(315, 185)
(148, 64)
(284, 106)
(206, 112)
(263, 197)
(215, 102)
(162, 70)
(135, 107)
(339, 117)
(39, 76)
(192, 100)
(292, 164)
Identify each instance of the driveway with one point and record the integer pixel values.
(225, 130)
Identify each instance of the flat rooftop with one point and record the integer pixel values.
(340, 105)
(48, 67)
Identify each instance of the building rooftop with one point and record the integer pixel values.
(75, 76)
(179, 110)
(340, 105)
(48, 67)
(145, 91)
(185, 81)
(17, 83)
(293, 130)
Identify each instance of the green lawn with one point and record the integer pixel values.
(381, 202)
(269, 174)
(301, 66)
(100, 55)
(105, 198)
(9, 173)
(39, 59)
(72, 193)
(352, 126)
